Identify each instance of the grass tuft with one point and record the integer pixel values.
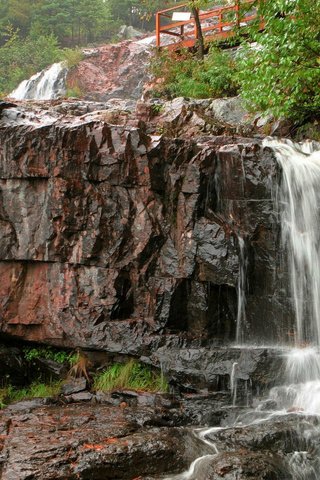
(131, 375)
(10, 394)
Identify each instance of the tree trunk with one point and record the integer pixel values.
(200, 39)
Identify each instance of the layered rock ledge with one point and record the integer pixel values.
(128, 243)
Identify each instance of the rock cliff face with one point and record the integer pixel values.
(114, 240)
(113, 71)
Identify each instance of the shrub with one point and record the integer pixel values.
(281, 75)
(72, 56)
(185, 75)
(21, 58)
(131, 375)
(74, 92)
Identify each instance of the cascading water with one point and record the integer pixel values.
(233, 383)
(45, 85)
(298, 201)
(242, 280)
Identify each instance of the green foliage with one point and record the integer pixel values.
(156, 109)
(139, 13)
(74, 92)
(184, 75)
(49, 353)
(282, 75)
(72, 56)
(130, 375)
(11, 394)
(71, 22)
(19, 59)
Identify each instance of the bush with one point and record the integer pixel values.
(131, 375)
(182, 74)
(281, 75)
(72, 56)
(74, 92)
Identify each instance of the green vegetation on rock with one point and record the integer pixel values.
(10, 394)
(50, 353)
(182, 74)
(21, 58)
(132, 375)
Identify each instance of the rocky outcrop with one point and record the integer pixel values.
(46, 440)
(112, 71)
(114, 240)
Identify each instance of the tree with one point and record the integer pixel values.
(21, 58)
(195, 8)
(73, 21)
(281, 75)
(137, 13)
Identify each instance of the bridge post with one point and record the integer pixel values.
(158, 23)
(237, 5)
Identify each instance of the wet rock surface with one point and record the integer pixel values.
(286, 434)
(141, 438)
(245, 465)
(118, 241)
(85, 442)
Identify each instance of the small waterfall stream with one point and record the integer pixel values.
(242, 281)
(45, 85)
(298, 199)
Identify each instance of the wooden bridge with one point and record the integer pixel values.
(218, 23)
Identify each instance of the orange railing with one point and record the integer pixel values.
(216, 23)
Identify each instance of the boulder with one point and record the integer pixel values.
(229, 110)
(245, 465)
(83, 441)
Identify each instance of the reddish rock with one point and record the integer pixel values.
(83, 441)
(112, 71)
(116, 241)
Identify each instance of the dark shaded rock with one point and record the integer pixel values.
(47, 369)
(14, 368)
(245, 465)
(79, 397)
(211, 368)
(73, 385)
(5, 105)
(285, 434)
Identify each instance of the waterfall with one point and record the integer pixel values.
(45, 85)
(234, 383)
(299, 203)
